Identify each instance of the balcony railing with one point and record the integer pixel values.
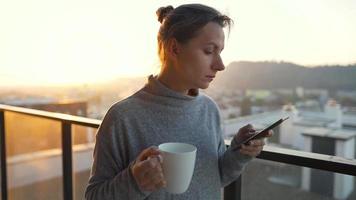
(233, 191)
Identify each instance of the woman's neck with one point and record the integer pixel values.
(172, 81)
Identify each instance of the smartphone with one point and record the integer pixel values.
(260, 134)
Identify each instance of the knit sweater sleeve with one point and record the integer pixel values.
(231, 163)
(110, 178)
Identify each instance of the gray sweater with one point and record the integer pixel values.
(155, 115)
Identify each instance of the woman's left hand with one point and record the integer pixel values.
(253, 148)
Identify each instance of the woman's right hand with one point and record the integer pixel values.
(147, 170)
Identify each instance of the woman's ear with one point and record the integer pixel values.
(173, 48)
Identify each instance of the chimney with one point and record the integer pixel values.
(288, 133)
(333, 111)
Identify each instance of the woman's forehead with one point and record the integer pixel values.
(212, 33)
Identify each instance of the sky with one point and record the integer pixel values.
(47, 42)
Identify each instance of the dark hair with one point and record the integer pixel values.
(183, 23)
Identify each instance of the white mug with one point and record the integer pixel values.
(178, 165)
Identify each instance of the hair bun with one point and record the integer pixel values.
(162, 12)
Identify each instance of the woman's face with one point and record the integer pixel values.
(199, 60)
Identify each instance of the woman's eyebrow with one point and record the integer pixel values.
(214, 44)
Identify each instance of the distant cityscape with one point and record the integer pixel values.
(322, 120)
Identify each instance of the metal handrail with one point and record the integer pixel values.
(66, 121)
(83, 121)
(233, 191)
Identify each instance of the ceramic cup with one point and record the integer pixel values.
(178, 165)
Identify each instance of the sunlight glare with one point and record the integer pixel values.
(65, 42)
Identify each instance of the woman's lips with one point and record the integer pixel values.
(210, 78)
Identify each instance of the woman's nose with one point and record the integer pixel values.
(218, 64)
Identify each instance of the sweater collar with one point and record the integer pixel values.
(154, 86)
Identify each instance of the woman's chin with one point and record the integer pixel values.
(204, 86)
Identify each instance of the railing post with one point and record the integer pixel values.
(233, 191)
(67, 160)
(3, 157)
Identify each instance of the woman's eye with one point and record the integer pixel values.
(208, 52)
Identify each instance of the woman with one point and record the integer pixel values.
(170, 108)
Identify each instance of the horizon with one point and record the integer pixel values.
(115, 78)
(68, 42)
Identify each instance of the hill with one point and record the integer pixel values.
(283, 75)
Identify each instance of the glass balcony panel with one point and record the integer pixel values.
(264, 179)
(83, 146)
(34, 157)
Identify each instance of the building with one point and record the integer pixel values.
(330, 131)
(330, 142)
(72, 107)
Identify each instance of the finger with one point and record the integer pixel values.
(152, 187)
(252, 154)
(156, 162)
(245, 148)
(256, 142)
(151, 180)
(251, 149)
(153, 150)
(249, 152)
(154, 176)
(154, 165)
(158, 157)
(161, 184)
(248, 128)
(141, 168)
(270, 133)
